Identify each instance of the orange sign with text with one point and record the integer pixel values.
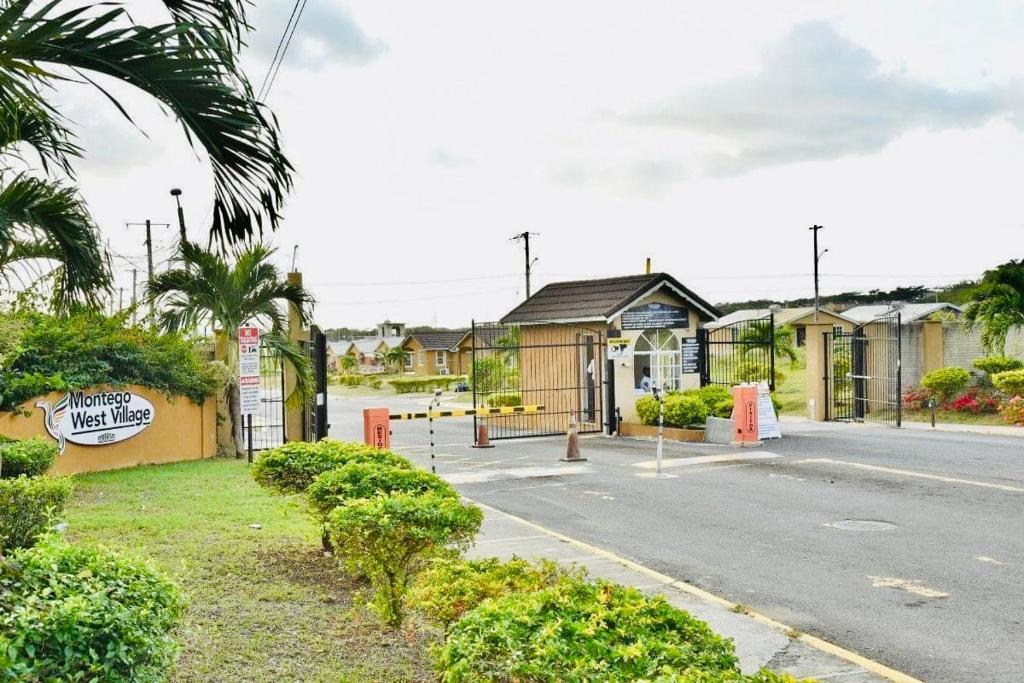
(376, 427)
(744, 414)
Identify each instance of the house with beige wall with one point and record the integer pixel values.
(436, 353)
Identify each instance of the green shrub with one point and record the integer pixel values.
(391, 538)
(30, 457)
(682, 410)
(450, 587)
(350, 380)
(27, 506)
(57, 353)
(946, 382)
(411, 385)
(366, 480)
(647, 410)
(579, 631)
(755, 371)
(713, 393)
(992, 365)
(73, 613)
(374, 382)
(495, 373)
(762, 676)
(1010, 382)
(291, 468)
(723, 408)
(498, 400)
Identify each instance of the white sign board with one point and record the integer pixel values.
(249, 369)
(767, 421)
(96, 419)
(619, 348)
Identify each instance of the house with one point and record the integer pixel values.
(335, 350)
(650, 323)
(909, 313)
(435, 353)
(797, 318)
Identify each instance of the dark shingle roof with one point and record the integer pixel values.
(588, 299)
(438, 341)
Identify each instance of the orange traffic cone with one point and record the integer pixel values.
(481, 436)
(572, 451)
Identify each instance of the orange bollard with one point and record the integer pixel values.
(377, 428)
(744, 416)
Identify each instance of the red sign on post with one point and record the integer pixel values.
(249, 369)
(744, 415)
(377, 428)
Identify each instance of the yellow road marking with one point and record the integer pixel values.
(911, 473)
(910, 585)
(823, 645)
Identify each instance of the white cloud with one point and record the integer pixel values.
(327, 34)
(818, 96)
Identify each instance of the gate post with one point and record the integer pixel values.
(816, 339)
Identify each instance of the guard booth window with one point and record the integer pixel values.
(657, 358)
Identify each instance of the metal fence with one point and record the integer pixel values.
(560, 367)
(863, 380)
(268, 425)
(740, 352)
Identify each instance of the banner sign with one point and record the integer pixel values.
(691, 356)
(619, 348)
(249, 369)
(96, 419)
(767, 421)
(655, 316)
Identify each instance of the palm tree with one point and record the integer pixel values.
(45, 229)
(188, 63)
(997, 305)
(395, 358)
(348, 363)
(207, 289)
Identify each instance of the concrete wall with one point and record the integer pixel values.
(961, 348)
(181, 430)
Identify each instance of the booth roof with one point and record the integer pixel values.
(581, 300)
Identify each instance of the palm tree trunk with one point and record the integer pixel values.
(235, 410)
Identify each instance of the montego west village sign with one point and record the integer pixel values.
(96, 419)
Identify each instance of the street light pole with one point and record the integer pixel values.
(525, 236)
(176, 193)
(814, 229)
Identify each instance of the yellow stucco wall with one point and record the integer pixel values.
(181, 430)
(429, 365)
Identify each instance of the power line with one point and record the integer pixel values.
(297, 15)
(397, 283)
(421, 298)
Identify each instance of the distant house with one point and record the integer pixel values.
(335, 350)
(368, 351)
(909, 313)
(797, 318)
(435, 353)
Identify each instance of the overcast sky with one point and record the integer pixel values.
(707, 136)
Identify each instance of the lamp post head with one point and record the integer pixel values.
(175, 192)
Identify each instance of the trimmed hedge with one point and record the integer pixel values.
(71, 613)
(27, 507)
(391, 538)
(992, 365)
(946, 382)
(580, 631)
(365, 480)
(451, 587)
(411, 385)
(499, 400)
(681, 410)
(1010, 382)
(291, 468)
(30, 457)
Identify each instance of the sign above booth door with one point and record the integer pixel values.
(98, 419)
(655, 316)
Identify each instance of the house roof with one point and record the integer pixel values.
(783, 316)
(437, 341)
(602, 299)
(369, 345)
(484, 336)
(909, 313)
(392, 342)
(340, 348)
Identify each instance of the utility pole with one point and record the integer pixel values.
(817, 256)
(135, 277)
(149, 251)
(525, 237)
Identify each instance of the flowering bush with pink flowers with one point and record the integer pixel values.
(1013, 411)
(975, 401)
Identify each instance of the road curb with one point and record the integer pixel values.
(825, 646)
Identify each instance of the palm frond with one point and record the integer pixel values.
(22, 121)
(183, 65)
(293, 355)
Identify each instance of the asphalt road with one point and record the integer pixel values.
(907, 547)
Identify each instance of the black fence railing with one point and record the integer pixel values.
(739, 352)
(863, 380)
(268, 425)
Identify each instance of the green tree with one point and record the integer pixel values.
(348, 363)
(188, 63)
(997, 305)
(45, 228)
(394, 358)
(757, 334)
(249, 289)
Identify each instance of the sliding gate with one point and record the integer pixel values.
(739, 352)
(863, 377)
(559, 367)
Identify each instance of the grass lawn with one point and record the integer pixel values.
(792, 390)
(953, 417)
(264, 604)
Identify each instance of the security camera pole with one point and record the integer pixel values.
(434, 402)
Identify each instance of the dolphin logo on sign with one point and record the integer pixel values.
(96, 419)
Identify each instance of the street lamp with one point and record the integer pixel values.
(176, 193)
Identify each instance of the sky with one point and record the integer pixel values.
(705, 136)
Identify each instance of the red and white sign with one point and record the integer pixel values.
(249, 369)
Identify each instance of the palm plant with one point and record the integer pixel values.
(188, 63)
(207, 289)
(395, 358)
(45, 222)
(348, 363)
(997, 305)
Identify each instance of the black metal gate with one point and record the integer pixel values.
(268, 425)
(560, 367)
(739, 352)
(315, 423)
(863, 375)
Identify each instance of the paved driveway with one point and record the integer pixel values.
(907, 547)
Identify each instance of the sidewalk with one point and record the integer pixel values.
(992, 430)
(759, 640)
